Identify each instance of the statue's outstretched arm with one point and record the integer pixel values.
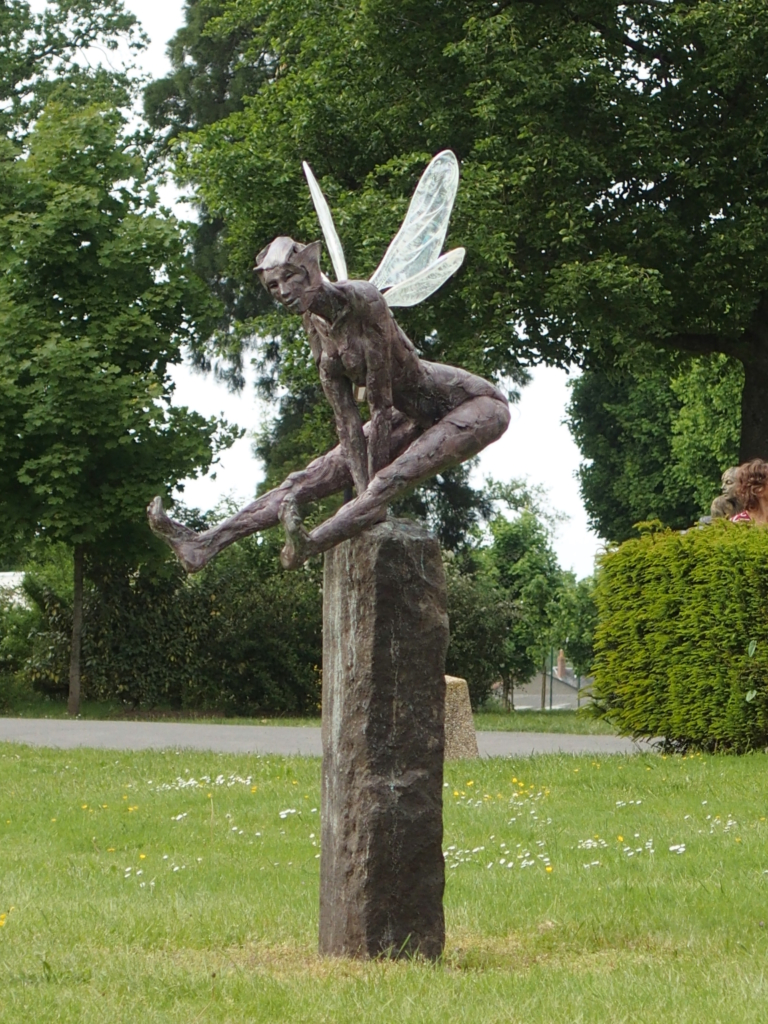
(349, 426)
(378, 387)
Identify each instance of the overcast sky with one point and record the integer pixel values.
(537, 445)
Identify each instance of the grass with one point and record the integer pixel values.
(128, 893)
(542, 721)
(560, 721)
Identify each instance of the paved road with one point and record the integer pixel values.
(269, 739)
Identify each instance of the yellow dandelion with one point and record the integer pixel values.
(548, 869)
(53, 819)
(470, 783)
(110, 849)
(455, 792)
(253, 790)
(620, 838)
(142, 856)
(125, 798)
(84, 807)
(104, 806)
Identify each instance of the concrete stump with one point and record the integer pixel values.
(385, 635)
(460, 736)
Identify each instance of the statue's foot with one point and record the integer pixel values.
(298, 545)
(184, 541)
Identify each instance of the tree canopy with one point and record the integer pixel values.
(655, 439)
(96, 301)
(40, 55)
(613, 160)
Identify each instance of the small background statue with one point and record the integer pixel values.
(424, 417)
(728, 503)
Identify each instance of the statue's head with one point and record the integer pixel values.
(290, 272)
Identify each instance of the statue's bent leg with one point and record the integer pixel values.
(459, 436)
(326, 475)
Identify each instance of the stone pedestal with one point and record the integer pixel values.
(385, 635)
(460, 735)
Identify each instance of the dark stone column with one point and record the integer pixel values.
(385, 635)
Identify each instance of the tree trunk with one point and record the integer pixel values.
(73, 703)
(544, 685)
(754, 412)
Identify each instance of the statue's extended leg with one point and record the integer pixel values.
(325, 476)
(457, 437)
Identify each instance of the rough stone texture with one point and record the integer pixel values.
(460, 737)
(385, 635)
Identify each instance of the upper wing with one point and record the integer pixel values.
(419, 241)
(326, 223)
(415, 289)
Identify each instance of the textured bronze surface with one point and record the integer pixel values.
(424, 417)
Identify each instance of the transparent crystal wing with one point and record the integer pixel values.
(335, 250)
(417, 288)
(419, 241)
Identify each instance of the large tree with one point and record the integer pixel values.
(613, 155)
(96, 300)
(655, 438)
(42, 52)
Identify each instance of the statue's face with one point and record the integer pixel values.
(290, 285)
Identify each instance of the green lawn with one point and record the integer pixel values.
(542, 721)
(182, 888)
(507, 721)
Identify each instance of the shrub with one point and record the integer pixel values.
(17, 625)
(481, 616)
(243, 636)
(681, 647)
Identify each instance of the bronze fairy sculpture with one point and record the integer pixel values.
(424, 417)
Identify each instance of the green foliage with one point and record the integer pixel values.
(17, 626)
(39, 54)
(656, 438)
(509, 601)
(576, 622)
(481, 615)
(601, 204)
(682, 639)
(521, 558)
(241, 637)
(96, 300)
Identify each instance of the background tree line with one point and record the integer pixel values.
(612, 204)
(245, 637)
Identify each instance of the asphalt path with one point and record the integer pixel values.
(271, 739)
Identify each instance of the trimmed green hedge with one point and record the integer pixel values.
(681, 648)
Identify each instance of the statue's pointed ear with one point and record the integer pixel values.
(310, 253)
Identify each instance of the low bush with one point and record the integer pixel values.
(243, 636)
(681, 648)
